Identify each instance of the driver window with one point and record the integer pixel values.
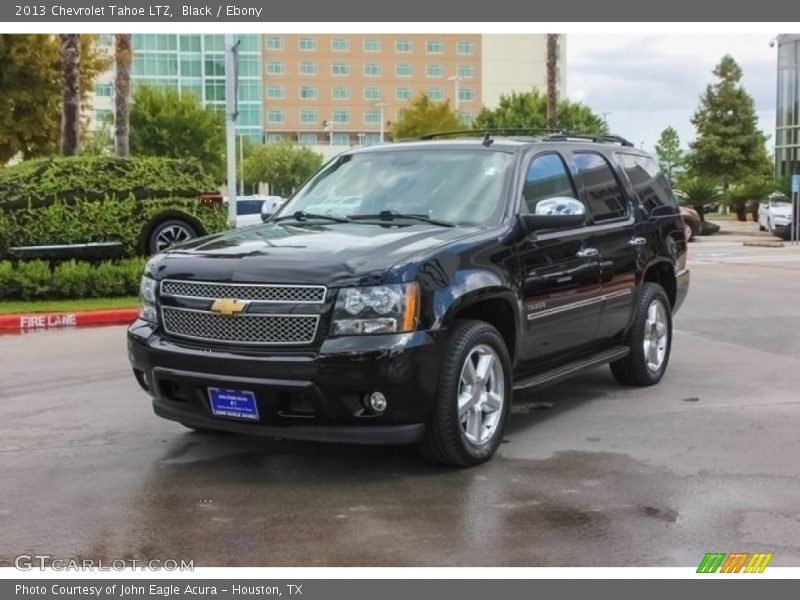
(547, 177)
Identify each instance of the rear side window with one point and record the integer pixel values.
(547, 177)
(603, 194)
(649, 183)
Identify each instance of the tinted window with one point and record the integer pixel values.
(248, 207)
(649, 183)
(603, 194)
(547, 177)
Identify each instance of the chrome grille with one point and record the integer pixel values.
(250, 329)
(296, 294)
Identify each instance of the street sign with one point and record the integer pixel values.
(796, 183)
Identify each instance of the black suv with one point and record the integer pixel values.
(407, 290)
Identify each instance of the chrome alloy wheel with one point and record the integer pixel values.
(172, 235)
(481, 394)
(656, 336)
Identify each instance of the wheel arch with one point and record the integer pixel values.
(662, 272)
(167, 215)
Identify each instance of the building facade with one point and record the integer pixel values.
(787, 126)
(341, 90)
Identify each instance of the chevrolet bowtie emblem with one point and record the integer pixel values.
(228, 307)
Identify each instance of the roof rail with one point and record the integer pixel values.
(488, 132)
(603, 139)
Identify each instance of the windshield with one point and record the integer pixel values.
(464, 187)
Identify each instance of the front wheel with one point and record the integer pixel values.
(168, 233)
(649, 340)
(474, 396)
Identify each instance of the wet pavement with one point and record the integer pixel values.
(590, 474)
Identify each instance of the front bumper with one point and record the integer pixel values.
(312, 395)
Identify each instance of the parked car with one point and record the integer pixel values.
(775, 216)
(461, 271)
(249, 209)
(693, 225)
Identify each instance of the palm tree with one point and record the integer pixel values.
(71, 93)
(697, 190)
(122, 90)
(552, 94)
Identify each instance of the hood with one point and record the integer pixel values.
(326, 254)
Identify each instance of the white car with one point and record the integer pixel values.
(250, 208)
(775, 216)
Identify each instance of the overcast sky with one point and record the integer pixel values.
(648, 82)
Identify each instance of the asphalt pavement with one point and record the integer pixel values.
(590, 474)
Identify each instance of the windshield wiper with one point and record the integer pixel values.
(302, 215)
(391, 215)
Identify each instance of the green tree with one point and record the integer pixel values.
(529, 110)
(669, 153)
(30, 91)
(122, 93)
(166, 123)
(70, 93)
(422, 116)
(284, 166)
(695, 190)
(729, 145)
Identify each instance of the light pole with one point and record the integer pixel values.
(381, 106)
(232, 112)
(329, 128)
(456, 79)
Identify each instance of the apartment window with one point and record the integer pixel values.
(309, 139)
(340, 92)
(434, 71)
(215, 91)
(466, 94)
(275, 67)
(308, 117)
(104, 90)
(466, 118)
(340, 45)
(466, 71)
(307, 44)
(276, 92)
(402, 47)
(371, 46)
(211, 43)
(372, 70)
(372, 117)
(158, 41)
(249, 43)
(435, 94)
(191, 66)
(465, 47)
(308, 92)
(340, 69)
(249, 66)
(215, 66)
(403, 70)
(372, 138)
(275, 42)
(250, 91)
(276, 116)
(434, 47)
(190, 43)
(249, 116)
(402, 93)
(372, 93)
(103, 116)
(341, 116)
(273, 138)
(308, 68)
(341, 139)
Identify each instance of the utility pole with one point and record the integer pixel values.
(231, 113)
(381, 105)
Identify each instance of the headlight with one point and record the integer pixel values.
(147, 300)
(392, 308)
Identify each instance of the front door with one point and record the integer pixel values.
(560, 273)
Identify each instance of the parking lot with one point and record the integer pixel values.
(591, 474)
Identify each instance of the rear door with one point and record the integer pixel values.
(560, 278)
(612, 233)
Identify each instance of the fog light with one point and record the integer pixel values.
(377, 402)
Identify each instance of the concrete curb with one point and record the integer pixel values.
(26, 322)
(765, 244)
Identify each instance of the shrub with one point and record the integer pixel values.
(35, 279)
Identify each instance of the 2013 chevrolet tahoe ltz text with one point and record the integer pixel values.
(407, 290)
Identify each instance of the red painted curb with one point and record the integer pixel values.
(22, 323)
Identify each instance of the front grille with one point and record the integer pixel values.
(254, 329)
(297, 294)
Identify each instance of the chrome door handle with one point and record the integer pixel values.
(637, 242)
(587, 253)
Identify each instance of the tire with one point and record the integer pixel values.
(166, 233)
(473, 438)
(637, 368)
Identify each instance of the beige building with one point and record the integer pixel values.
(343, 89)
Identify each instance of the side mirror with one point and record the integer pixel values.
(560, 212)
(268, 209)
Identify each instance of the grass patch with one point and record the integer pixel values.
(8, 307)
